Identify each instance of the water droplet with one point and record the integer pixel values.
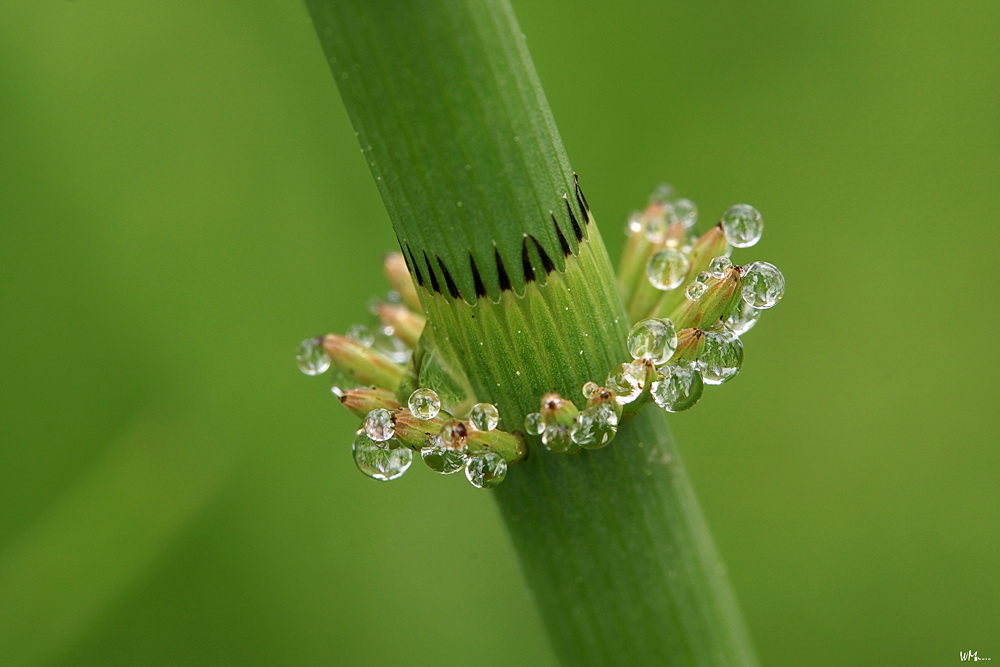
(595, 426)
(626, 381)
(534, 424)
(485, 469)
(667, 269)
(742, 226)
(377, 462)
(379, 425)
(685, 212)
(441, 459)
(722, 356)
(656, 230)
(677, 387)
(653, 339)
(763, 285)
(484, 416)
(589, 389)
(311, 358)
(424, 403)
(695, 290)
(720, 266)
(634, 224)
(557, 438)
(743, 318)
(703, 277)
(663, 193)
(361, 334)
(391, 347)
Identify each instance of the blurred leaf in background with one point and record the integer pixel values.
(183, 200)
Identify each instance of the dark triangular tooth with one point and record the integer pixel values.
(581, 200)
(477, 280)
(529, 270)
(430, 272)
(572, 218)
(562, 239)
(547, 262)
(502, 272)
(452, 287)
(412, 265)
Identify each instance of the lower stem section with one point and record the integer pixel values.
(619, 557)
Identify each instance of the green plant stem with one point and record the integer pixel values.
(448, 110)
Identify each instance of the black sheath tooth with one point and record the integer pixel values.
(412, 265)
(477, 280)
(572, 218)
(581, 200)
(502, 272)
(452, 287)
(562, 239)
(430, 272)
(529, 270)
(547, 262)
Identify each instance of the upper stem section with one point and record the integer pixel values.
(484, 200)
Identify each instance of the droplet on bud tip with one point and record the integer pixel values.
(742, 226)
(667, 269)
(484, 416)
(377, 462)
(311, 358)
(763, 285)
(653, 339)
(424, 403)
(485, 469)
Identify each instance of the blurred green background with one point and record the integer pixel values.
(182, 201)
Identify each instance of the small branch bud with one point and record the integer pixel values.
(400, 279)
(366, 366)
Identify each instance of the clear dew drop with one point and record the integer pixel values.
(379, 425)
(667, 269)
(311, 358)
(424, 403)
(722, 356)
(484, 416)
(656, 230)
(377, 462)
(695, 290)
(626, 381)
(653, 339)
(662, 194)
(742, 226)
(720, 266)
(743, 318)
(387, 344)
(534, 424)
(763, 285)
(557, 438)
(485, 469)
(441, 459)
(361, 334)
(703, 277)
(589, 388)
(677, 387)
(634, 224)
(685, 212)
(594, 427)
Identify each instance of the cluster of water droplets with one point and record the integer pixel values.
(445, 450)
(564, 429)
